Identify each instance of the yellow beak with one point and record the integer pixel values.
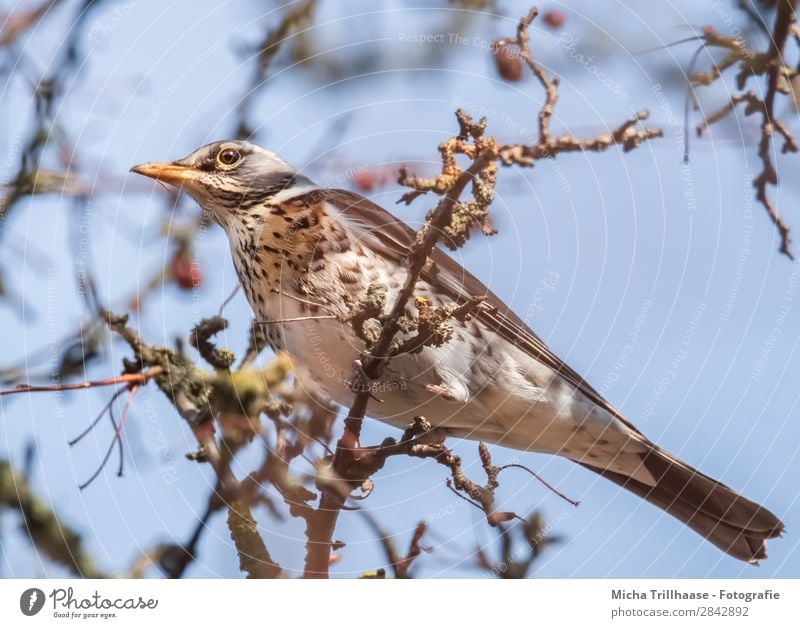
(168, 173)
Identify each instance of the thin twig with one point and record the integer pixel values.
(128, 378)
(543, 481)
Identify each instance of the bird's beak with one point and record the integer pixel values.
(173, 173)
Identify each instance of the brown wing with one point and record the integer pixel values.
(460, 285)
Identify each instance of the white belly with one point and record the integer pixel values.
(472, 393)
(450, 385)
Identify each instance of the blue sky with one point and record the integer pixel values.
(659, 281)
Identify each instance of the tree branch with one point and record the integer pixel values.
(450, 185)
(771, 64)
(46, 531)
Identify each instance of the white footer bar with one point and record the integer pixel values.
(350, 603)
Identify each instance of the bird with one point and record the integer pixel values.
(307, 255)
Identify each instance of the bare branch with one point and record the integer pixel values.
(449, 222)
(771, 64)
(51, 536)
(254, 559)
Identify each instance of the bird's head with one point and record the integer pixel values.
(228, 178)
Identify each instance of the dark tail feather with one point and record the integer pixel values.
(734, 524)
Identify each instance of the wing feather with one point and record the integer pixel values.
(396, 238)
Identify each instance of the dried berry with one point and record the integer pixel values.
(507, 60)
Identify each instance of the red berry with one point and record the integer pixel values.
(507, 61)
(365, 181)
(185, 272)
(554, 19)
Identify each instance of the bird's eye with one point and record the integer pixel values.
(228, 157)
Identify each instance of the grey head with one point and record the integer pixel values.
(228, 177)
